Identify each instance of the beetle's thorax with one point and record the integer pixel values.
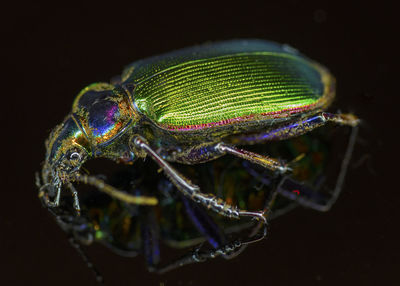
(104, 112)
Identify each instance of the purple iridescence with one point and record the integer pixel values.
(278, 134)
(254, 173)
(104, 118)
(151, 244)
(203, 223)
(111, 113)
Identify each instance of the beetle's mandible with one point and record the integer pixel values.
(191, 106)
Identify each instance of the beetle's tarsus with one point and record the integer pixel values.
(255, 215)
(227, 251)
(197, 256)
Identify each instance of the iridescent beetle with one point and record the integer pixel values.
(191, 106)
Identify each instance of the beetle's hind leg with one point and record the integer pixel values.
(264, 161)
(313, 199)
(297, 128)
(283, 132)
(191, 190)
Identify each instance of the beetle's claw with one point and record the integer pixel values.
(255, 215)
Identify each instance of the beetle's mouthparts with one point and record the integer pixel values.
(50, 189)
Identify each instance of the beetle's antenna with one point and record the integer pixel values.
(110, 190)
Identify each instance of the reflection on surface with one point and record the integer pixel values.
(194, 232)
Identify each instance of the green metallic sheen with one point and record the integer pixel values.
(223, 83)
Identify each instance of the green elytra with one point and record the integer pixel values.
(228, 82)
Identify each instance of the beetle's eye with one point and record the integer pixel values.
(75, 156)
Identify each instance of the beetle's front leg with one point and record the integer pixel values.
(44, 195)
(188, 188)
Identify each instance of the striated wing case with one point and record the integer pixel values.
(228, 82)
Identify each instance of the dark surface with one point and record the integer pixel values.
(52, 52)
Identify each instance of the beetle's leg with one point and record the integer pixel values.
(110, 190)
(86, 259)
(266, 162)
(204, 223)
(227, 251)
(313, 201)
(191, 190)
(53, 204)
(308, 197)
(149, 229)
(297, 128)
(197, 256)
(284, 132)
(75, 241)
(76, 199)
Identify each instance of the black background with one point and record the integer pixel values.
(50, 53)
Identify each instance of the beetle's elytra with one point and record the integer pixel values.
(191, 106)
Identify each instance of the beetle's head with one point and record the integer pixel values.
(67, 149)
(101, 113)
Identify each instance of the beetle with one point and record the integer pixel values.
(191, 106)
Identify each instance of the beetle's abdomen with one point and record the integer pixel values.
(231, 89)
